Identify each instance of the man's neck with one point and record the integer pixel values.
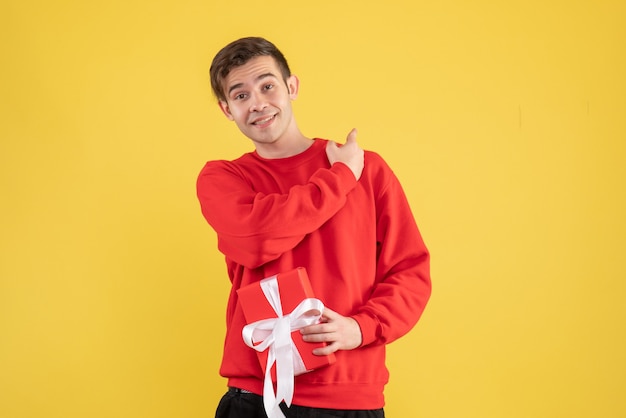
(284, 147)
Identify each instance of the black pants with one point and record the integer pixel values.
(235, 404)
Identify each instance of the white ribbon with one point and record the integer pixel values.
(275, 334)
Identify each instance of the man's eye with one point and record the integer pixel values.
(268, 86)
(240, 96)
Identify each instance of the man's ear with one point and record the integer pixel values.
(293, 84)
(224, 106)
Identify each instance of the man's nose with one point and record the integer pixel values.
(258, 102)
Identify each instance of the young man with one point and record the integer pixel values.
(336, 210)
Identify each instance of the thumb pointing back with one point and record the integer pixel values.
(351, 136)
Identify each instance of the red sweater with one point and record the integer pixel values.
(357, 240)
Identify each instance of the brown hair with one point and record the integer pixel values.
(238, 53)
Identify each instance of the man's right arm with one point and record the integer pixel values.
(254, 228)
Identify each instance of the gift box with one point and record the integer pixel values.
(291, 289)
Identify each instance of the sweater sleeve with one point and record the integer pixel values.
(253, 227)
(403, 284)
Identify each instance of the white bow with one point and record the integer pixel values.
(275, 334)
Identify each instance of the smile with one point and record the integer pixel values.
(264, 121)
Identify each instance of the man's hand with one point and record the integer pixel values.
(349, 153)
(338, 331)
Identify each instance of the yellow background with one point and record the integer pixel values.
(505, 121)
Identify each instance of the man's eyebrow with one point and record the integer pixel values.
(261, 77)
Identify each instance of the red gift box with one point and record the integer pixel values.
(294, 286)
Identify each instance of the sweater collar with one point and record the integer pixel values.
(319, 145)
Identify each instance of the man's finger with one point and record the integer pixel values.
(331, 144)
(352, 136)
(311, 329)
(324, 351)
(329, 314)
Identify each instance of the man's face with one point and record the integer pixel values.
(258, 99)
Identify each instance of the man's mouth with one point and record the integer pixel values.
(263, 121)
